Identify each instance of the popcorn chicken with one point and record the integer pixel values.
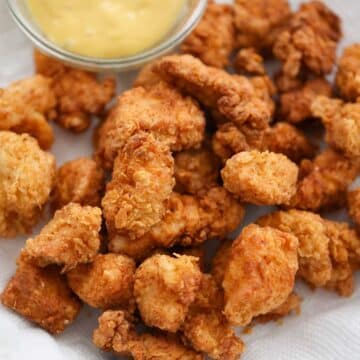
(348, 74)
(189, 221)
(70, 238)
(258, 22)
(26, 178)
(261, 273)
(80, 181)
(248, 61)
(309, 42)
(323, 182)
(142, 182)
(26, 106)
(295, 105)
(261, 178)
(265, 90)
(173, 119)
(79, 94)
(342, 123)
(212, 41)
(42, 296)
(116, 333)
(353, 203)
(164, 289)
(105, 283)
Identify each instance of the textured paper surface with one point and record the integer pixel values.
(327, 329)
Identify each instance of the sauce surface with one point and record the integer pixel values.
(106, 28)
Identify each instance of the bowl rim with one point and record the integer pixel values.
(102, 64)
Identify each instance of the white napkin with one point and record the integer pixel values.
(328, 327)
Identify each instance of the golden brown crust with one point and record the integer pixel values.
(23, 192)
(41, 296)
(248, 61)
(212, 41)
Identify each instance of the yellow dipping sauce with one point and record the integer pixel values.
(106, 28)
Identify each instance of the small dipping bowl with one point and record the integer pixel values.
(188, 19)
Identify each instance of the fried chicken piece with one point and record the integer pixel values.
(212, 41)
(80, 181)
(206, 328)
(199, 252)
(249, 61)
(265, 90)
(164, 289)
(173, 119)
(105, 283)
(323, 182)
(353, 204)
(189, 221)
(348, 73)
(26, 106)
(261, 178)
(231, 96)
(116, 333)
(286, 83)
(70, 238)
(79, 94)
(261, 273)
(342, 123)
(258, 22)
(142, 182)
(146, 77)
(310, 40)
(295, 105)
(42, 296)
(26, 178)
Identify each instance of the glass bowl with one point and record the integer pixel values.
(187, 21)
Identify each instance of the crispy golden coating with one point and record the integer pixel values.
(26, 106)
(142, 182)
(258, 22)
(353, 204)
(261, 273)
(147, 77)
(295, 105)
(249, 61)
(265, 90)
(233, 97)
(70, 238)
(164, 289)
(212, 41)
(26, 178)
(286, 83)
(199, 252)
(342, 123)
(173, 119)
(189, 221)
(79, 94)
(323, 182)
(116, 333)
(105, 283)
(41, 296)
(261, 178)
(80, 181)
(348, 74)
(309, 42)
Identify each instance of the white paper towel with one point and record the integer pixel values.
(327, 329)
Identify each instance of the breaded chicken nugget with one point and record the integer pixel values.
(142, 182)
(248, 61)
(189, 221)
(164, 289)
(42, 296)
(342, 123)
(70, 238)
(295, 105)
(323, 182)
(212, 41)
(348, 74)
(80, 181)
(105, 283)
(353, 204)
(261, 178)
(26, 178)
(310, 40)
(26, 106)
(261, 273)
(79, 94)
(173, 119)
(258, 22)
(115, 333)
